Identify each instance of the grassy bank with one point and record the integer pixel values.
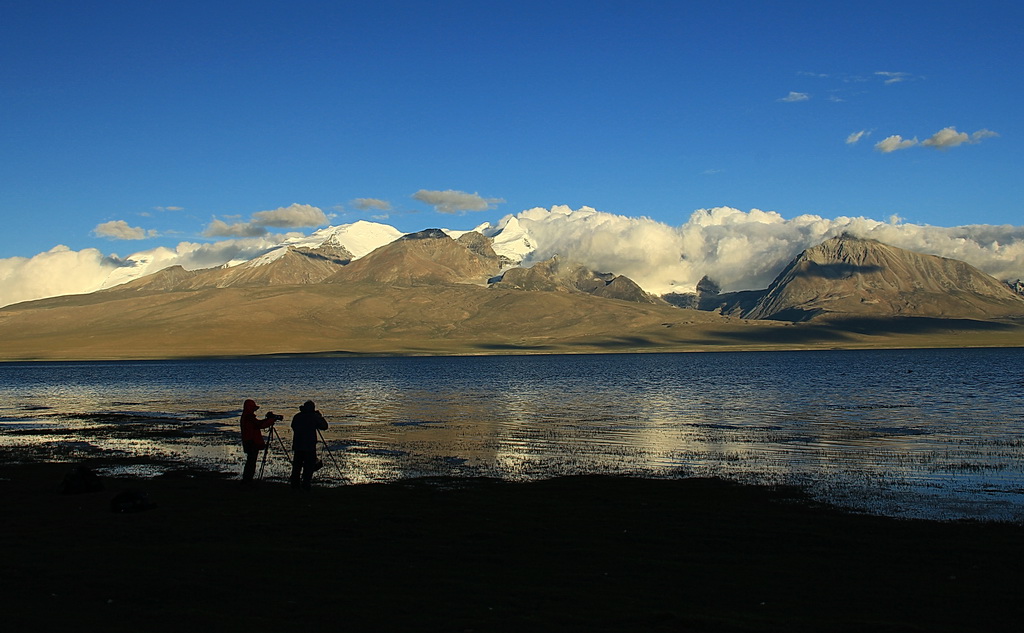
(579, 554)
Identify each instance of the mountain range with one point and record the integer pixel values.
(362, 289)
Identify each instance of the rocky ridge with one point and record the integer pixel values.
(554, 275)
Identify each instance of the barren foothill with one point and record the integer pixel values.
(435, 320)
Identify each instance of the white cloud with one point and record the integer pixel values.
(946, 138)
(793, 97)
(366, 204)
(949, 137)
(982, 134)
(220, 228)
(451, 201)
(893, 78)
(856, 137)
(120, 230)
(62, 271)
(168, 208)
(58, 271)
(739, 250)
(894, 143)
(292, 216)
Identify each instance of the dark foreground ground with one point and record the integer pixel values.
(571, 554)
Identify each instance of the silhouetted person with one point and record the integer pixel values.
(305, 425)
(252, 437)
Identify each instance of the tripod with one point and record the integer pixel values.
(330, 453)
(271, 433)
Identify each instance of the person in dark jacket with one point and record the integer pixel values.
(252, 437)
(305, 425)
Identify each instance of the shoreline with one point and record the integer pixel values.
(586, 553)
(516, 352)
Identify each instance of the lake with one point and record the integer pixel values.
(912, 433)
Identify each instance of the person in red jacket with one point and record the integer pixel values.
(252, 437)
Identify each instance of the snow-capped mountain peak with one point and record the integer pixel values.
(512, 241)
(358, 238)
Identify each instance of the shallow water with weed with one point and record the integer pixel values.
(927, 433)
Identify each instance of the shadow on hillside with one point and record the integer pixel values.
(836, 271)
(617, 343)
(835, 331)
(620, 342)
(797, 335)
(913, 325)
(839, 330)
(512, 347)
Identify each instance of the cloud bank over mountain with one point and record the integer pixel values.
(62, 271)
(744, 250)
(740, 250)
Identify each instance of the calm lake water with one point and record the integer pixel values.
(928, 433)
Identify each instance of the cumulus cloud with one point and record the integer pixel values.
(742, 250)
(292, 216)
(220, 228)
(120, 230)
(945, 138)
(949, 137)
(366, 204)
(894, 143)
(739, 250)
(62, 271)
(856, 137)
(982, 134)
(172, 208)
(58, 271)
(451, 201)
(793, 97)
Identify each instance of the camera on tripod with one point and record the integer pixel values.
(273, 416)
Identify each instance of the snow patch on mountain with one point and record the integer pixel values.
(511, 240)
(132, 267)
(359, 238)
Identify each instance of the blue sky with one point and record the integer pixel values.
(158, 119)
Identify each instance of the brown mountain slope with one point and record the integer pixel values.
(167, 280)
(295, 266)
(426, 257)
(851, 276)
(353, 317)
(368, 318)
